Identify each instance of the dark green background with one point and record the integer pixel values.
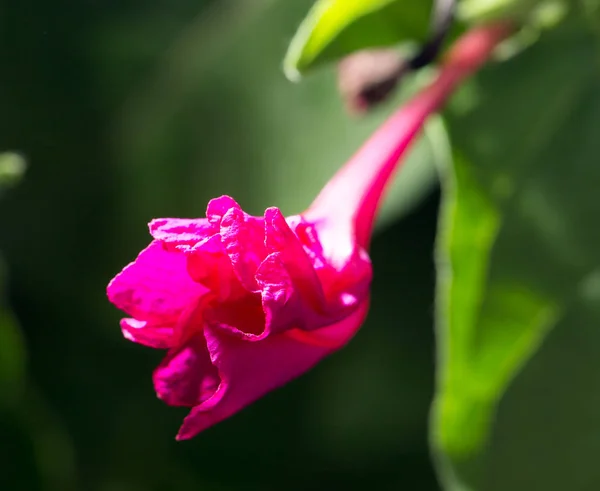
(128, 110)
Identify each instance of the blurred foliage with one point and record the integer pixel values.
(12, 168)
(530, 14)
(12, 350)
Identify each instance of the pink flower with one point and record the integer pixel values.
(244, 304)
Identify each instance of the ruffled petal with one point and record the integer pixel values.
(217, 207)
(156, 287)
(187, 377)
(243, 238)
(250, 370)
(285, 305)
(180, 232)
(280, 301)
(280, 238)
(208, 264)
(154, 336)
(293, 294)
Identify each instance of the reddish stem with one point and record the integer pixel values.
(353, 195)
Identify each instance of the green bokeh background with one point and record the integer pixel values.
(131, 110)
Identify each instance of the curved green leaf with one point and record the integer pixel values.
(335, 28)
(518, 234)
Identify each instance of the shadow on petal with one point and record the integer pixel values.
(250, 370)
(187, 377)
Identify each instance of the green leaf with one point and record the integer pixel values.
(548, 426)
(335, 28)
(487, 10)
(518, 234)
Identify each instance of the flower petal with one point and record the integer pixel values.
(186, 377)
(217, 207)
(336, 335)
(292, 290)
(250, 370)
(154, 336)
(156, 287)
(243, 238)
(181, 232)
(243, 317)
(285, 304)
(281, 238)
(281, 302)
(207, 263)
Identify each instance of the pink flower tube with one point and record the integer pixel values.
(244, 304)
